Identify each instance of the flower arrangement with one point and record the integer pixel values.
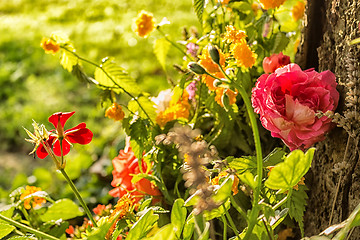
(193, 166)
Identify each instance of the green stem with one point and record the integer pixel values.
(232, 224)
(225, 227)
(78, 196)
(259, 161)
(27, 228)
(238, 208)
(116, 84)
(175, 45)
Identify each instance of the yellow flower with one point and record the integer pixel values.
(115, 112)
(266, 4)
(219, 95)
(207, 62)
(177, 109)
(209, 81)
(144, 24)
(298, 10)
(243, 55)
(232, 35)
(49, 45)
(255, 7)
(32, 201)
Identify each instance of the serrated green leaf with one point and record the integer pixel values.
(275, 157)
(146, 105)
(199, 6)
(178, 216)
(243, 164)
(287, 174)
(111, 75)
(297, 203)
(161, 48)
(62, 209)
(5, 229)
(143, 225)
(280, 42)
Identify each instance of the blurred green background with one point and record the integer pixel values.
(33, 85)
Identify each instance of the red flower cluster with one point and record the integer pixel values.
(79, 134)
(126, 165)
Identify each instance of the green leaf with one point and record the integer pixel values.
(164, 233)
(161, 48)
(243, 164)
(26, 237)
(142, 226)
(6, 211)
(110, 75)
(146, 104)
(189, 227)
(248, 178)
(217, 212)
(224, 191)
(68, 58)
(297, 203)
(178, 216)
(287, 174)
(280, 42)
(5, 229)
(62, 209)
(275, 157)
(199, 6)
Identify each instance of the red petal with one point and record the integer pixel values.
(65, 147)
(79, 134)
(60, 117)
(41, 152)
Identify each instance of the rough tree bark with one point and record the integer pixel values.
(334, 179)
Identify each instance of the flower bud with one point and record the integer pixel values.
(196, 68)
(214, 54)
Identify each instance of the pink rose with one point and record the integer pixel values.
(275, 61)
(288, 99)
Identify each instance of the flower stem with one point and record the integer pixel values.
(175, 45)
(225, 227)
(78, 196)
(259, 161)
(27, 228)
(232, 224)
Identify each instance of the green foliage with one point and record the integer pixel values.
(199, 6)
(287, 174)
(143, 225)
(297, 203)
(61, 209)
(161, 48)
(178, 216)
(5, 229)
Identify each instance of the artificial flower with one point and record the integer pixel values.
(126, 165)
(275, 61)
(298, 10)
(144, 24)
(31, 201)
(287, 101)
(243, 55)
(115, 112)
(267, 4)
(79, 134)
(49, 45)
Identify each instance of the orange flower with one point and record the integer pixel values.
(224, 2)
(298, 10)
(220, 94)
(243, 55)
(70, 230)
(144, 23)
(33, 201)
(209, 81)
(115, 112)
(207, 62)
(126, 165)
(49, 45)
(255, 7)
(232, 35)
(99, 209)
(266, 4)
(177, 109)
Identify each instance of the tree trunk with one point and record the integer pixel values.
(334, 178)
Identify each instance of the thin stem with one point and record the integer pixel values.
(232, 224)
(107, 74)
(259, 161)
(271, 237)
(225, 227)
(27, 228)
(238, 208)
(78, 196)
(175, 45)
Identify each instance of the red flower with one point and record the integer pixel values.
(126, 165)
(79, 134)
(70, 230)
(99, 209)
(275, 61)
